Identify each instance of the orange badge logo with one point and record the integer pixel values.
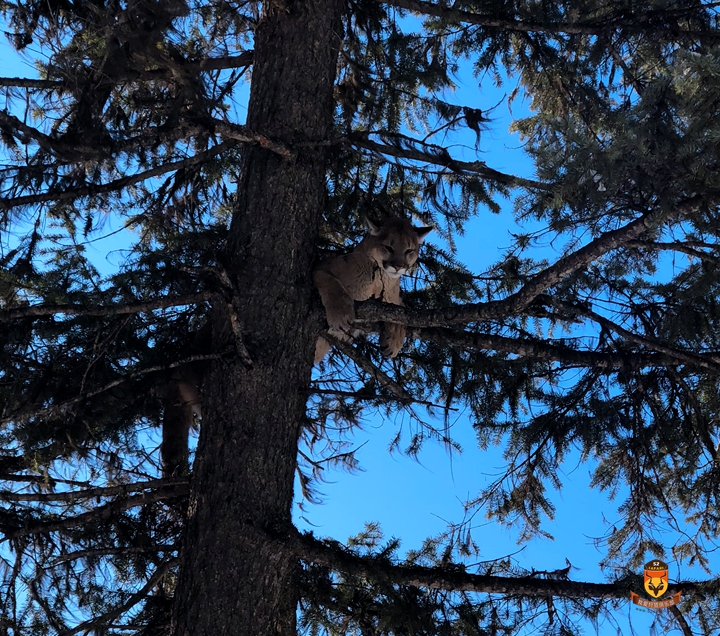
(655, 578)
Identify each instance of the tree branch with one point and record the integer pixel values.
(110, 385)
(103, 513)
(438, 155)
(33, 311)
(81, 554)
(710, 361)
(545, 350)
(26, 82)
(88, 493)
(136, 598)
(380, 376)
(242, 60)
(242, 133)
(92, 189)
(675, 247)
(335, 556)
(609, 23)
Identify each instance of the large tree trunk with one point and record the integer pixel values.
(236, 577)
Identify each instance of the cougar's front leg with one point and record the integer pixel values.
(181, 407)
(339, 306)
(392, 335)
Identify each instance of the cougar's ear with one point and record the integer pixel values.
(422, 232)
(372, 227)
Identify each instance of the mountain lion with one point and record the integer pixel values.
(372, 270)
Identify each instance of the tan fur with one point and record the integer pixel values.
(372, 270)
(181, 408)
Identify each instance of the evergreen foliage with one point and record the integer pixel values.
(136, 123)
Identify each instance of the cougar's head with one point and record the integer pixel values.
(394, 244)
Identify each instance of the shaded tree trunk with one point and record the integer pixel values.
(236, 578)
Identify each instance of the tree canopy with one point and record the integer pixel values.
(140, 120)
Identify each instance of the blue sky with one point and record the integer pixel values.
(413, 500)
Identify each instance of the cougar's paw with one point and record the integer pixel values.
(343, 336)
(392, 337)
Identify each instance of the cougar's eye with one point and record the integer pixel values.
(409, 251)
(389, 249)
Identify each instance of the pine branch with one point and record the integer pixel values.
(57, 408)
(89, 493)
(600, 246)
(710, 361)
(335, 556)
(242, 60)
(545, 350)
(58, 146)
(437, 155)
(182, 131)
(71, 152)
(677, 247)
(26, 82)
(81, 554)
(103, 513)
(366, 365)
(33, 311)
(105, 619)
(92, 189)
(643, 23)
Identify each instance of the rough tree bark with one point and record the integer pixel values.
(236, 578)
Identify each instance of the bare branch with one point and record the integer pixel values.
(228, 61)
(242, 133)
(26, 82)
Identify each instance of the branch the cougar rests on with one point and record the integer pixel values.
(372, 270)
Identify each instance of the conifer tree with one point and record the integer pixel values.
(137, 124)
